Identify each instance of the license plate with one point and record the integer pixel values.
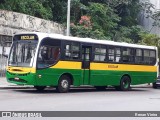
(16, 78)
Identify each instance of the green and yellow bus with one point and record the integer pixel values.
(42, 59)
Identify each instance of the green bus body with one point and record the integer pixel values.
(85, 62)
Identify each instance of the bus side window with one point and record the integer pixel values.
(49, 53)
(56, 53)
(138, 56)
(149, 57)
(72, 51)
(111, 52)
(146, 56)
(128, 55)
(118, 54)
(67, 51)
(152, 57)
(100, 53)
(75, 51)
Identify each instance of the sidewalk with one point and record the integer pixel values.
(5, 84)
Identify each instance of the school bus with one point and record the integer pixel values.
(42, 60)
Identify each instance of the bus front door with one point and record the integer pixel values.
(86, 57)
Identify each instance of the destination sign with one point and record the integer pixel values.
(28, 37)
(25, 37)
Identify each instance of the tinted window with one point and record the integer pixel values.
(111, 52)
(118, 54)
(49, 53)
(138, 56)
(99, 53)
(149, 57)
(72, 51)
(128, 55)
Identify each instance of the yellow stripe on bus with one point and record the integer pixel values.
(20, 70)
(93, 66)
(68, 65)
(105, 66)
(122, 67)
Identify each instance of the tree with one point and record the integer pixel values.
(32, 7)
(103, 22)
(150, 39)
(106, 19)
(84, 28)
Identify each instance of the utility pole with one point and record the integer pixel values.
(68, 17)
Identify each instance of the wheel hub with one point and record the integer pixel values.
(125, 84)
(64, 83)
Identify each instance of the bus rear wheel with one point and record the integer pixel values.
(124, 84)
(63, 84)
(154, 85)
(40, 88)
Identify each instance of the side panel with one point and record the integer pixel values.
(50, 76)
(100, 74)
(101, 78)
(86, 77)
(110, 74)
(105, 77)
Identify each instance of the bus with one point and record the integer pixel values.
(43, 60)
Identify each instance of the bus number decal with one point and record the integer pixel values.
(112, 66)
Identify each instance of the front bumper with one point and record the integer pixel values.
(21, 79)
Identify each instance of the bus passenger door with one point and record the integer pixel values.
(86, 57)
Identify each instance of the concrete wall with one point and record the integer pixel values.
(13, 22)
(147, 22)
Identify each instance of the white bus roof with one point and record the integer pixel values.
(88, 40)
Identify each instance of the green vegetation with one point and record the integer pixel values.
(38, 8)
(150, 39)
(99, 19)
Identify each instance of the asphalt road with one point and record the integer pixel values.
(80, 99)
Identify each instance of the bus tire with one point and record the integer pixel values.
(124, 84)
(154, 85)
(40, 88)
(63, 84)
(101, 88)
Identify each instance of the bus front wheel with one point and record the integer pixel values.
(63, 84)
(124, 84)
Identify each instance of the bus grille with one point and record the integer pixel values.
(18, 74)
(20, 80)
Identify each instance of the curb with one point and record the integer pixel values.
(14, 86)
(142, 86)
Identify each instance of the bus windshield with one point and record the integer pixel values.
(22, 53)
